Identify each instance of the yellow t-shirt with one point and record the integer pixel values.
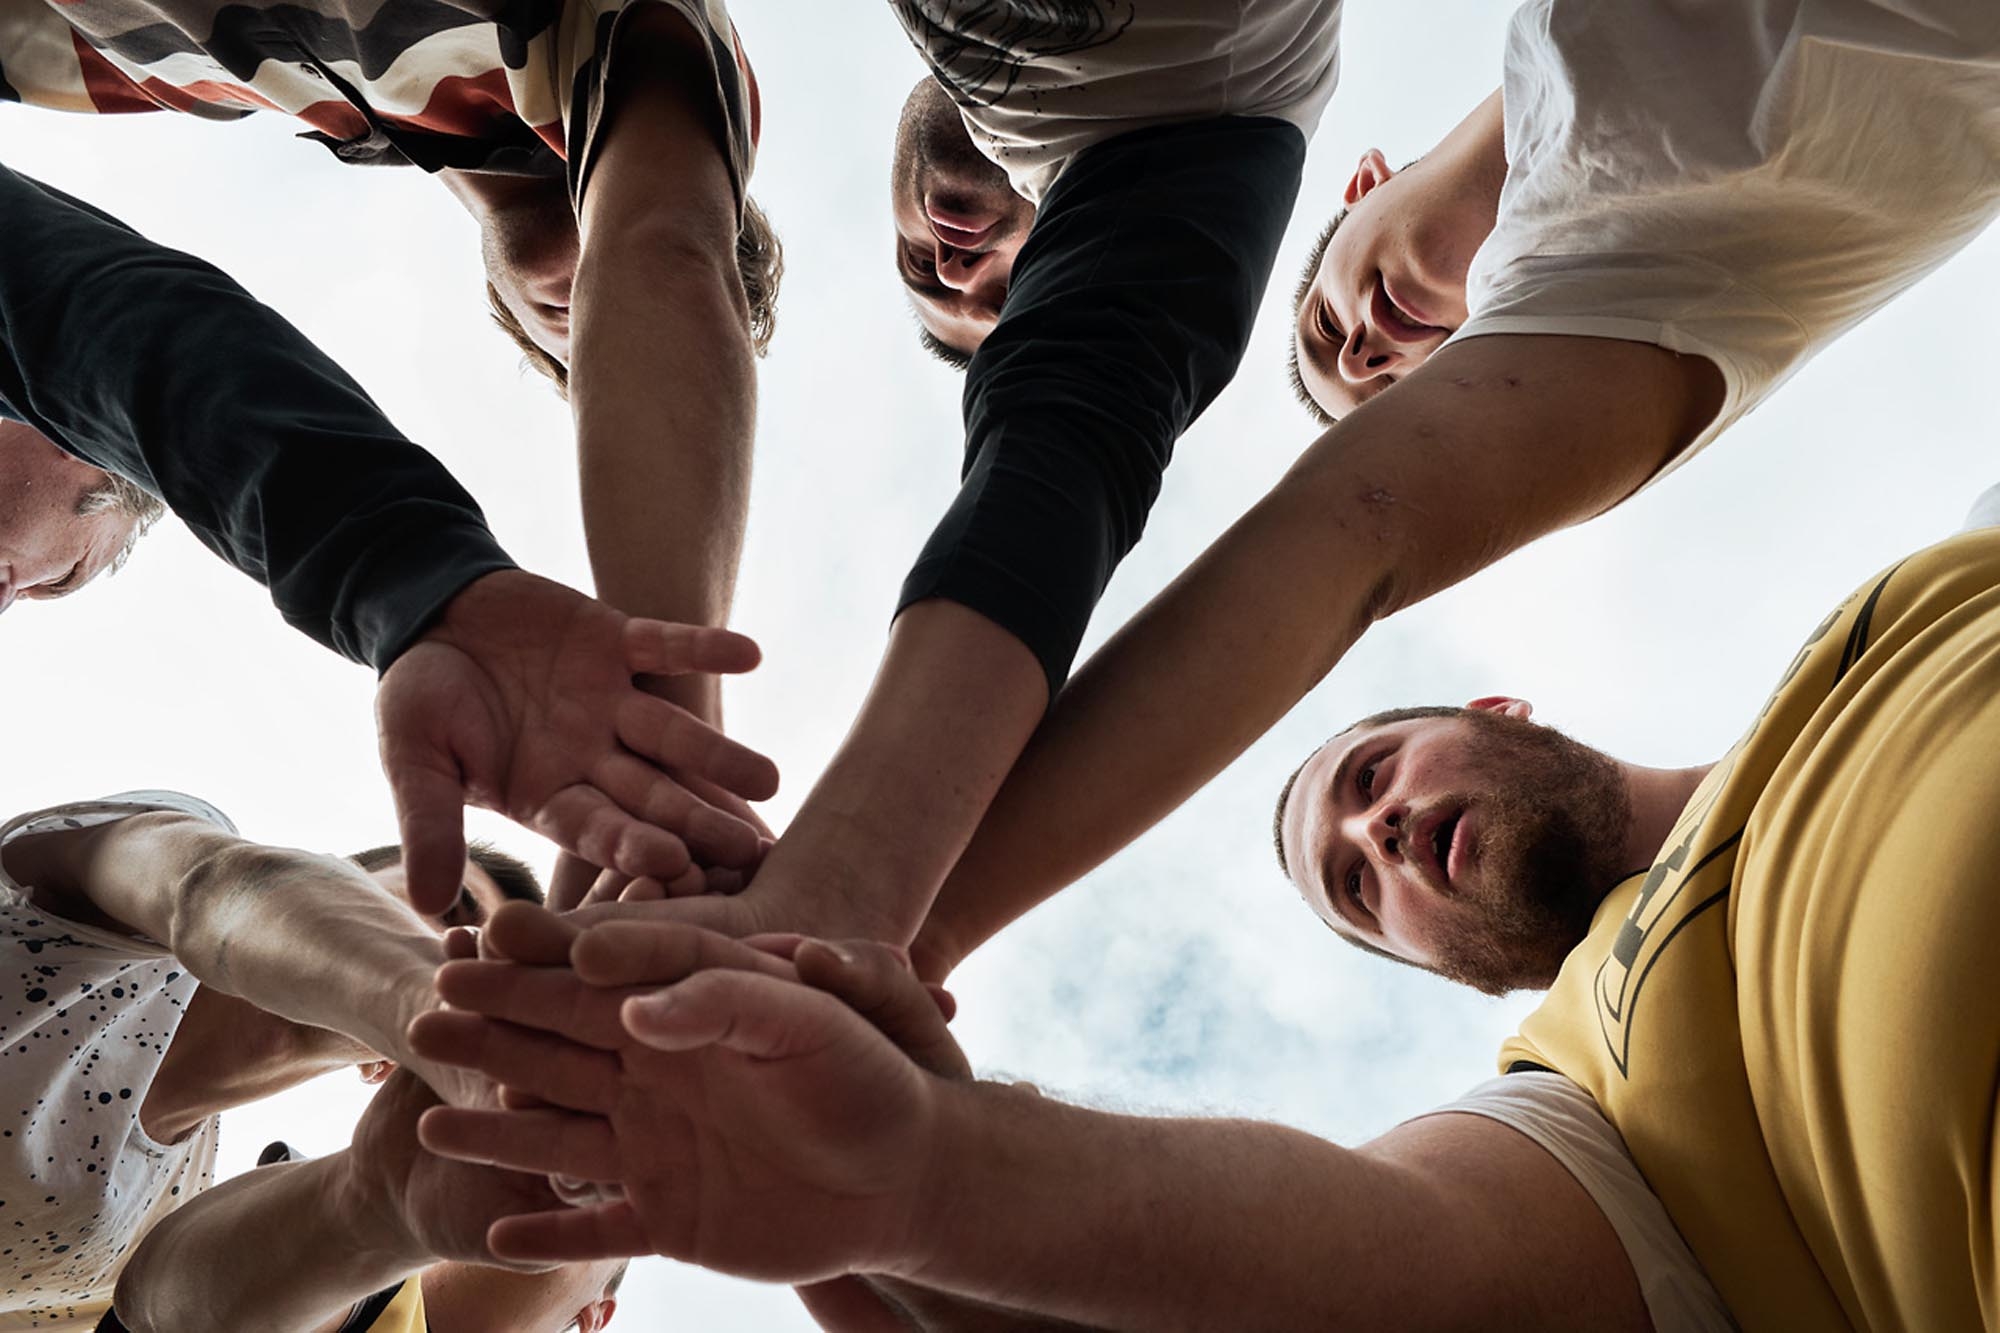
(398, 1310)
(1794, 1017)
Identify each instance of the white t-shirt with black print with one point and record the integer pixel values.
(85, 1018)
(1039, 81)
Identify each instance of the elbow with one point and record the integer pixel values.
(210, 895)
(1385, 597)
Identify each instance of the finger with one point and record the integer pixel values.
(947, 1003)
(607, 1231)
(875, 981)
(548, 999)
(571, 881)
(559, 1072)
(661, 648)
(543, 1142)
(729, 803)
(677, 739)
(525, 933)
(609, 887)
(722, 880)
(692, 883)
(587, 821)
(430, 817)
(779, 944)
(650, 795)
(757, 1015)
(659, 953)
(461, 942)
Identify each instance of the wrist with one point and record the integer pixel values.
(364, 1212)
(846, 887)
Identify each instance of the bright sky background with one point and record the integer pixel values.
(1183, 977)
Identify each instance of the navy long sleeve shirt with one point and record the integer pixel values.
(1130, 308)
(154, 365)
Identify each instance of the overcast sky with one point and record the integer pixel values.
(1185, 975)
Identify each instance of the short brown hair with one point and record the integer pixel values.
(760, 265)
(514, 877)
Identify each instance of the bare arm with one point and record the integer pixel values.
(1496, 442)
(1124, 1223)
(662, 379)
(307, 937)
(287, 1248)
(805, 1146)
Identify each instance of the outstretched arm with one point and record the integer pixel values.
(661, 370)
(150, 363)
(307, 937)
(291, 1248)
(1494, 443)
(287, 1248)
(500, 688)
(764, 1129)
(1131, 305)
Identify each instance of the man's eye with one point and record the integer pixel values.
(1365, 780)
(1327, 328)
(1354, 890)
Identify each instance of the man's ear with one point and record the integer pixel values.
(1506, 707)
(1372, 170)
(376, 1072)
(596, 1315)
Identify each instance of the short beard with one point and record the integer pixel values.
(1551, 840)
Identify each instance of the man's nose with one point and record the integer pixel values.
(960, 269)
(1367, 355)
(1382, 830)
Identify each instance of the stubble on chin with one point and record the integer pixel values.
(1551, 832)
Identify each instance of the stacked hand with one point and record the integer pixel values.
(753, 1101)
(522, 699)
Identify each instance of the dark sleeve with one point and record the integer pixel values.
(1129, 310)
(363, 1316)
(152, 364)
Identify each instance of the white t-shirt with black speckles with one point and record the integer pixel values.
(85, 1018)
(1039, 81)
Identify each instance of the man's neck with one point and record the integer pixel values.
(1658, 797)
(1473, 158)
(227, 1053)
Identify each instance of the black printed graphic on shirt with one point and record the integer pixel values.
(979, 47)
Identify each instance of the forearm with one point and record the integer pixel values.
(1497, 442)
(1117, 1222)
(662, 370)
(306, 937)
(148, 362)
(953, 703)
(931, 1311)
(285, 1248)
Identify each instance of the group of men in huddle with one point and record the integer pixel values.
(1759, 1093)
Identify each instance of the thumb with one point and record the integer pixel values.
(745, 1012)
(430, 815)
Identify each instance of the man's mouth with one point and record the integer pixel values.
(959, 229)
(1399, 321)
(1444, 836)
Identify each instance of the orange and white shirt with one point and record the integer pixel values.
(513, 86)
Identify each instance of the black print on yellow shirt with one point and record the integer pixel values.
(1670, 901)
